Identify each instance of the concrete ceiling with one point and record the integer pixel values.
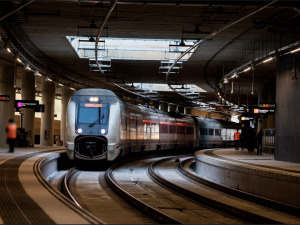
(47, 23)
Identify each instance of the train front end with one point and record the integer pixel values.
(92, 125)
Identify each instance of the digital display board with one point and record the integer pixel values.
(4, 98)
(97, 105)
(264, 111)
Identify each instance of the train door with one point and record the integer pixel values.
(172, 132)
(163, 131)
(154, 131)
(133, 132)
(140, 131)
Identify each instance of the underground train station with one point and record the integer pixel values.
(146, 112)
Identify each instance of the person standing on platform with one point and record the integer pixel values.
(242, 141)
(11, 134)
(237, 136)
(259, 142)
(250, 140)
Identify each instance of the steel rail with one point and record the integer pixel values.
(143, 207)
(240, 213)
(233, 22)
(238, 193)
(65, 186)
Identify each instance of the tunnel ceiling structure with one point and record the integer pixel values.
(47, 24)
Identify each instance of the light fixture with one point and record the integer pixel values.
(60, 84)
(72, 88)
(267, 60)
(26, 66)
(79, 130)
(295, 50)
(36, 73)
(46, 78)
(49, 79)
(225, 80)
(103, 131)
(6, 46)
(247, 69)
(94, 99)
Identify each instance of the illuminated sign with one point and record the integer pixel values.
(5, 98)
(26, 104)
(92, 105)
(267, 105)
(264, 111)
(247, 118)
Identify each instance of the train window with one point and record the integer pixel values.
(211, 132)
(203, 131)
(89, 113)
(123, 123)
(172, 129)
(218, 132)
(190, 130)
(163, 128)
(133, 122)
(180, 129)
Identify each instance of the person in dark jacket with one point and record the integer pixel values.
(259, 142)
(250, 140)
(242, 141)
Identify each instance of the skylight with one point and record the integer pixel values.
(186, 88)
(131, 49)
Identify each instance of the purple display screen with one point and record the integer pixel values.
(19, 104)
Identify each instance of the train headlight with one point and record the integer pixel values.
(79, 130)
(91, 99)
(94, 99)
(103, 131)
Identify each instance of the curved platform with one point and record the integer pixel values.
(27, 197)
(255, 174)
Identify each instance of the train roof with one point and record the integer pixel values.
(95, 91)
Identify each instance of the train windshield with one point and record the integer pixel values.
(93, 113)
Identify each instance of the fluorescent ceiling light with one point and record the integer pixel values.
(245, 70)
(296, 50)
(267, 60)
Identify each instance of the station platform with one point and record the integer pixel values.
(252, 173)
(27, 197)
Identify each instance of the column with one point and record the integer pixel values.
(28, 93)
(271, 99)
(287, 119)
(47, 118)
(7, 109)
(164, 106)
(187, 110)
(262, 98)
(172, 108)
(66, 96)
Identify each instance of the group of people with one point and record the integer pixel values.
(250, 140)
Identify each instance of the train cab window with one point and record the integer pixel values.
(203, 131)
(90, 113)
(218, 132)
(211, 132)
(123, 123)
(190, 130)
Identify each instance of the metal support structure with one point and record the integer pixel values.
(15, 10)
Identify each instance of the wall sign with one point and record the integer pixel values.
(26, 104)
(267, 105)
(40, 109)
(4, 98)
(264, 111)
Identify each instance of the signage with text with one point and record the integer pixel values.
(264, 111)
(40, 109)
(4, 98)
(267, 105)
(26, 104)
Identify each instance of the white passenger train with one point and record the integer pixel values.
(100, 126)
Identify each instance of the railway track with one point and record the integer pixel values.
(289, 209)
(233, 209)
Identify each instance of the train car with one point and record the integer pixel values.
(100, 126)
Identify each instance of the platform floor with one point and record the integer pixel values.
(27, 198)
(253, 160)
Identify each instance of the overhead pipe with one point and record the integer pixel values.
(235, 21)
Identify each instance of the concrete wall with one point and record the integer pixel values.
(274, 185)
(287, 119)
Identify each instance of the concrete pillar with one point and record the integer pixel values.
(7, 109)
(47, 118)
(172, 108)
(163, 106)
(28, 93)
(187, 110)
(271, 99)
(262, 98)
(287, 119)
(66, 96)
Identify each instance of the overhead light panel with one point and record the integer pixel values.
(247, 69)
(60, 84)
(225, 80)
(295, 50)
(6, 46)
(267, 60)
